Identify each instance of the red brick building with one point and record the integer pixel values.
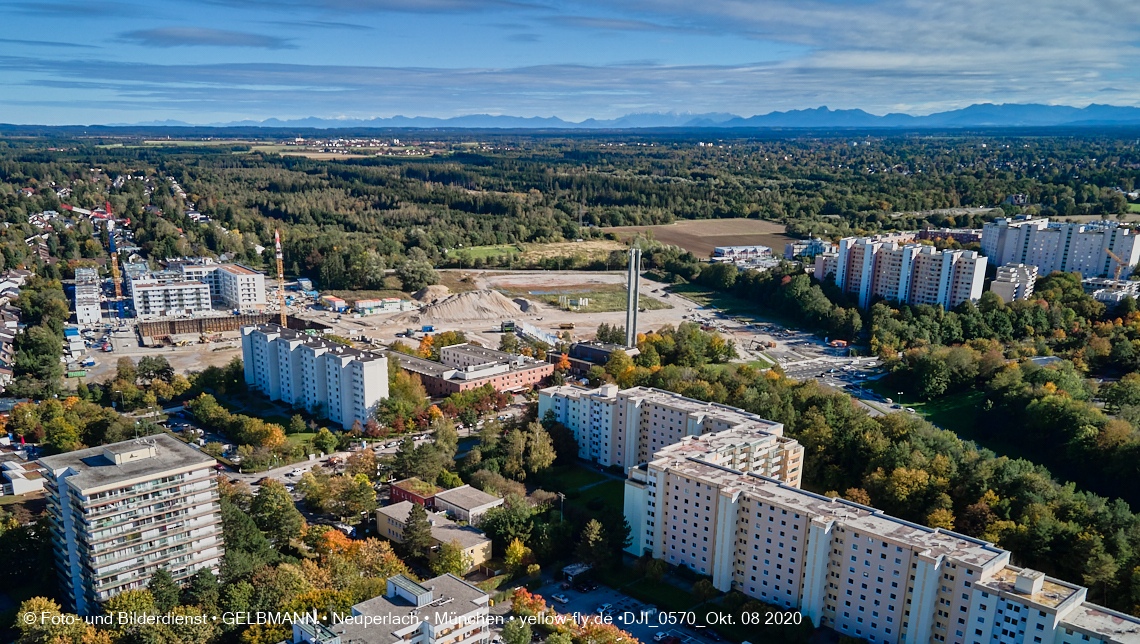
(414, 490)
(466, 367)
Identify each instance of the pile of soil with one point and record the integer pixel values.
(431, 293)
(472, 305)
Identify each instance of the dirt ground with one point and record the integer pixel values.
(701, 236)
(194, 357)
(563, 249)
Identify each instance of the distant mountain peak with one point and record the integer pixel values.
(976, 115)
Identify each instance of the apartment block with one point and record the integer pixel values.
(871, 267)
(442, 610)
(1014, 282)
(120, 512)
(87, 307)
(1052, 246)
(628, 427)
(850, 567)
(327, 378)
(232, 285)
(154, 298)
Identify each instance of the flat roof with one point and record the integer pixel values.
(854, 517)
(467, 497)
(315, 342)
(1054, 592)
(93, 470)
(452, 598)
(237, 269)
(170, 285)
(418, 487)
(443, 529)
(1111, 625)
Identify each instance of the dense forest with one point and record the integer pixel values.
(345, 221)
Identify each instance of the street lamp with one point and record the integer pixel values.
(561, 507)
(900, 399)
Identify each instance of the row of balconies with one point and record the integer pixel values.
(191, 515)
(113, 576)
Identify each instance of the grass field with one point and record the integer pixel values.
(957, 412)
(665, 596)
(300, 439)
(571, 477)
(475, 252)
(1134, 207)
(731, 304)
(612, 494)
(602, 298)
(700, 236)
(456, 280)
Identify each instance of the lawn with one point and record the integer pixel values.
(475, 252)
(300, 439)
(571, 477)
(957, 412)
(1134, 207)
(600, 298)
(612, 494)
(618, 578)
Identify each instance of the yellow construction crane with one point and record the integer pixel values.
(1120, 264)
(280, 276)
(114, 262)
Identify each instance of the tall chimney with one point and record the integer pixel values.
(634, 297)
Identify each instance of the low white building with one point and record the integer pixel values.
(466, 503)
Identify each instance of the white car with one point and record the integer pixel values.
(660, 635)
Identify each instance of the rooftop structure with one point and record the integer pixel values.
(1014, 282)
(392, 519)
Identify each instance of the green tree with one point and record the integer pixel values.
(415, 275)
(417, 532)
(451, 558)
(655, 570)
(275, 514)
(592, 547)
(325, 441)
(296, 425)
(164, 590)
(516, 631)
(540, 449)
(703, 590)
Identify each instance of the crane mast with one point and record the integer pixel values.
(114, 263)
(1120, 264)
(280, 275)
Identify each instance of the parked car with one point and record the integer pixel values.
(660, 635)
(560, 598)
(606, 609)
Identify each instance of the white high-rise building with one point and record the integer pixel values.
(850, 567)
(122, 511)
(1052, 246)
(872, 267)
(627, 427)
(327, 378)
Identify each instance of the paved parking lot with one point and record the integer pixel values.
(628, 613)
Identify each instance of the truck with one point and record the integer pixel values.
(838, 343)
(566, 325)
(427, 328)
(507, 326)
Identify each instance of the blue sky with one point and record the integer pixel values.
(206, 61)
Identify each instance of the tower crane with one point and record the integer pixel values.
(1120, 263)
(115, 265)
(280, 275)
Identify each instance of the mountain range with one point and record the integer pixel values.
(979, 115)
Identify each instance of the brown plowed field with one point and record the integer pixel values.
(701, 236)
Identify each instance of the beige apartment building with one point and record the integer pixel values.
(627, 427)
(871, 267)
(847, 566)
(122, 511)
